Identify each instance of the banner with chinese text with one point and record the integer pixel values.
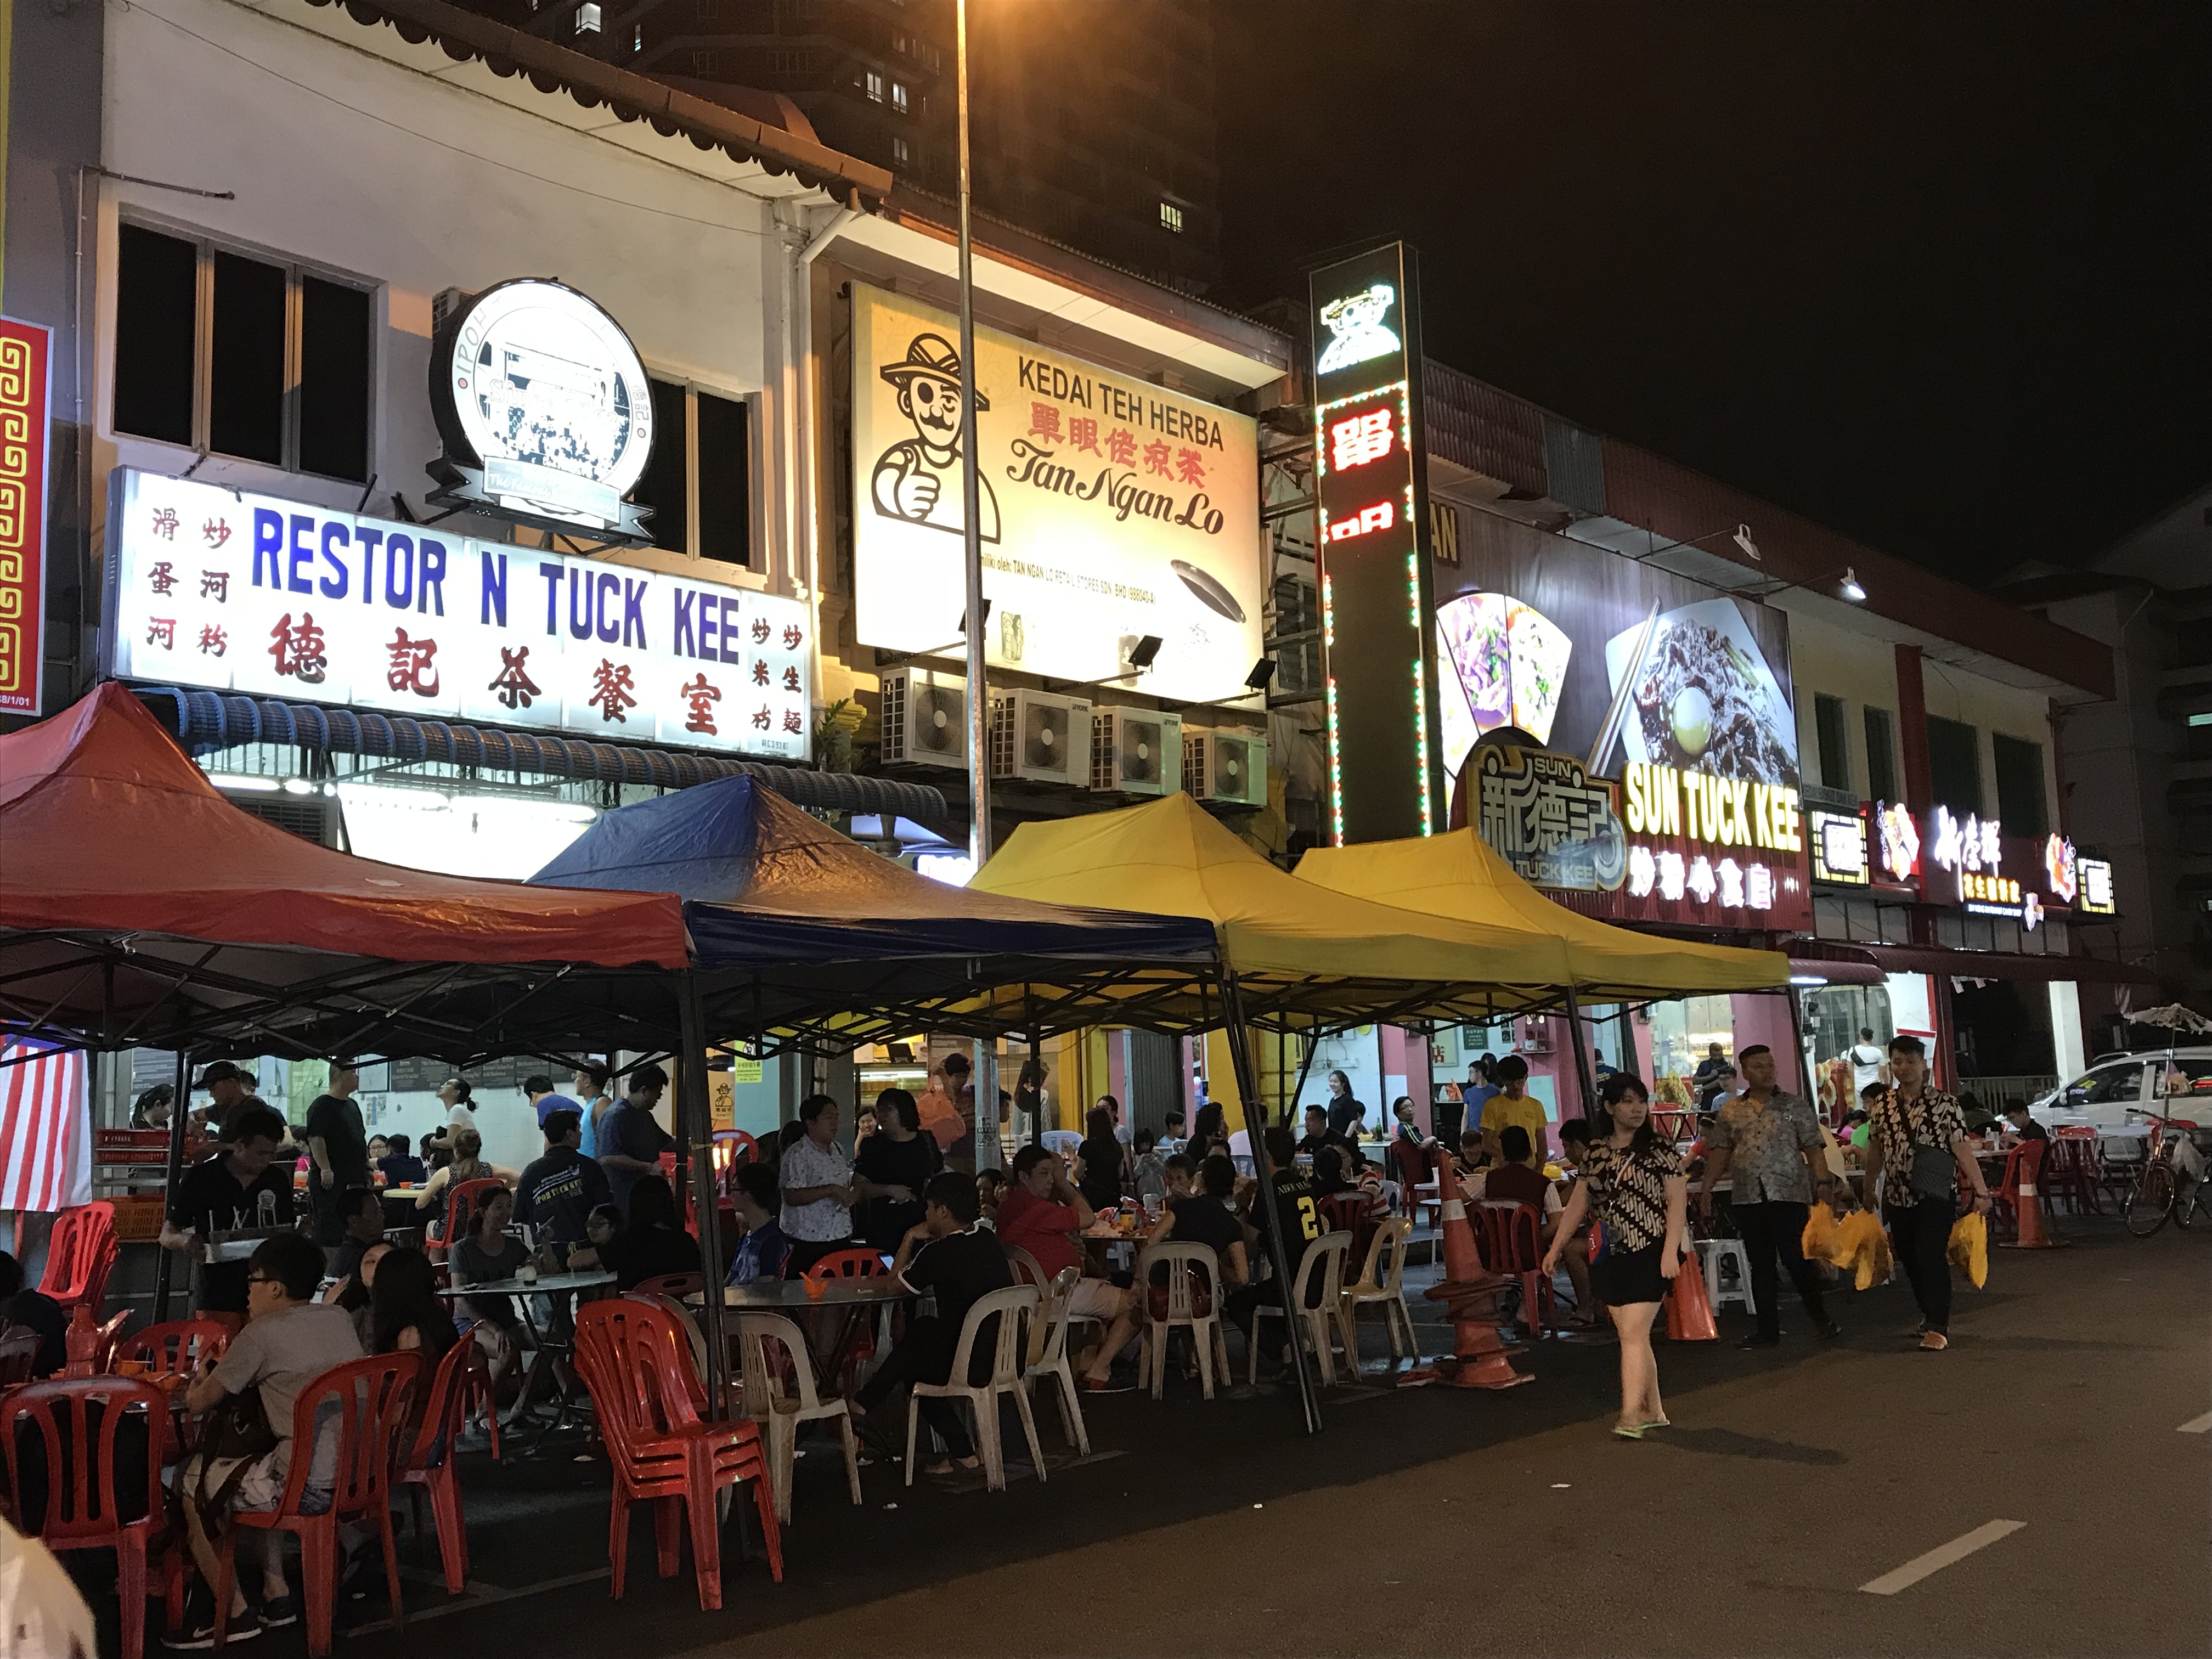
(24, 357)
(231, 592)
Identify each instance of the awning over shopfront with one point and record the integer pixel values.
(138, 906)
(1305, 957)
(207, 721)
(1459, 875)
(1995, 965)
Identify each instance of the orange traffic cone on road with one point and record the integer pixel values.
(2028, 1201)
(1469, 1291)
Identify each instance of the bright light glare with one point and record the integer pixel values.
(242, 781)
(461, 834)
(1806, 979)
(953, 869)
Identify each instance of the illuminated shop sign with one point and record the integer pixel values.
(24, 356)
(1371, 533)
(233, 592)
(1839, 848)
(545, 409)
(1554, 822)
(1897, 843)
(2096, 878)
(1700, 807)
(1971, 852)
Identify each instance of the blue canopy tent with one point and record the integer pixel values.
(799, 934)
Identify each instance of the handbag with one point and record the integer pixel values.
(1930, 1177)
(235, 1438)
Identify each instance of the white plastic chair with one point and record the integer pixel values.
(779, 1414)
(1711, 1252)
(1180, 1259)
(1048, 1357)
(1382, 1282)
(1016, 1303)
(1324, 1256)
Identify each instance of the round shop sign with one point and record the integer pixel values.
(539, 387)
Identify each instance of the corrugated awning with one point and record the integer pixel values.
(1966, 964)
(206, 720)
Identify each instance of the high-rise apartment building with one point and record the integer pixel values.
(1092, 124)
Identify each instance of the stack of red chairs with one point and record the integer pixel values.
(1512, 1245)
(84, 1498)
(80, 1255)
(649, 1399)
(2069, 1168)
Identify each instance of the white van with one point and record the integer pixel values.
(2176, 1083)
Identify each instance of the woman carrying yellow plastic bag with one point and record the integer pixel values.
(1969, 1247)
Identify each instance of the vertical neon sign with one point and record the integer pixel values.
(1372, 540)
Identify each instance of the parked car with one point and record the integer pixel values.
(2173, 1083)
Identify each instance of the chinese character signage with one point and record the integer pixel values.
(1974, 864)
(1727, 852)
(1838, 841)
(212, 589)
(23, 375)
(1110, 509)
(2096, 878)
(1372, 531)
(1555, 825)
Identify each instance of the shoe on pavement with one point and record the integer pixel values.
(198, 1631)
(1934, 1342)
(279, 1610)
(1830, 1331)
(1761, 1340)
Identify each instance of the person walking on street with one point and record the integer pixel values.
(1767, 1142)
(1915, 1137)
(1632, 1183)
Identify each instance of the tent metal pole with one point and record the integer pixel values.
(1247, 1084)
(1037, 1071)
(1583, 1074)
(1305, 1070)
(163, 1268)
(697, 1126)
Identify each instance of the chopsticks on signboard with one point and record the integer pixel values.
(1621, 698)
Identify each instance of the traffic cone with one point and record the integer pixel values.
(1689, 1309)
(2028, 1203)
(1469, 1291)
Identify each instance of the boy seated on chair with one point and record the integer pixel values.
(290, 1339)
(946, 1254)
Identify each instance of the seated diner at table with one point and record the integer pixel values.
(1299, 1224)
(287, 1340)
(468, 1165)
(1327, 1180)
(990, 1188)
(400, 1168)
(1148, 1168)
(651, 1243)
(1179, 1176)
(1204, 1217)
(948, 1255)
(237, 1186)
(486, 1254)
(34, 1311)
(1318, 1134)
(361, 1217)
(762, 1246)
(352, 1292)
(406, 1314)
(1042, 1213)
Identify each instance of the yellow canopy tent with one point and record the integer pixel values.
(1302, 957)
(1461, 876)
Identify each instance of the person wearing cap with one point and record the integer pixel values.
(918, 478)
(228, 1089)
(337, 1152)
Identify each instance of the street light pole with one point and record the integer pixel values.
(971, 517)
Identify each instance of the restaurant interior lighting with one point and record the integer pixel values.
(1852, 591)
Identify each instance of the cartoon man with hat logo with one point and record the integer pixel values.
(918, 478)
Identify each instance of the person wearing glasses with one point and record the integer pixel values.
(289, 1339)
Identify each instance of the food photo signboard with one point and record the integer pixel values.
(1679, 696)
(1109, 509)
(228, 591)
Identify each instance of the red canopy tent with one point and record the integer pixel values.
(138, 906)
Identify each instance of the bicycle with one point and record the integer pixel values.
(2169, 1171)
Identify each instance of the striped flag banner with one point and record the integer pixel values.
(45, 1127)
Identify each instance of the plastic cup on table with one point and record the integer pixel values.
(815, 1288)
(131, 1368)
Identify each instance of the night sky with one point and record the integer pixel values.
(1935, 274)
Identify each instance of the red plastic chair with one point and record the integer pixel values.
(462, 1203)
(429, 1464)
(80, 1255)
(2069, 1171)
(368, 1402)
(1413, 1169)
(83, 1503)
(1349, 1212)
(2023, 1167)
(848, 1264)
(179, 1345)
(1512, 1245)
(110, 1337)
(636, 1364)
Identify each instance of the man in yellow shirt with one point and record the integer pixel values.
(1513, 1104)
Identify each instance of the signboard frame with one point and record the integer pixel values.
(26, 477)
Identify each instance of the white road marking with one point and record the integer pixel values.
(2199, 1425)
(1937, 1559)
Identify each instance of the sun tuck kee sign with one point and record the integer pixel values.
(230, 592)
(1110, 508)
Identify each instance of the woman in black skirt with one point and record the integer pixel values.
(1632, 1183)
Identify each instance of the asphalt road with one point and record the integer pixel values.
(1432, 1521)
